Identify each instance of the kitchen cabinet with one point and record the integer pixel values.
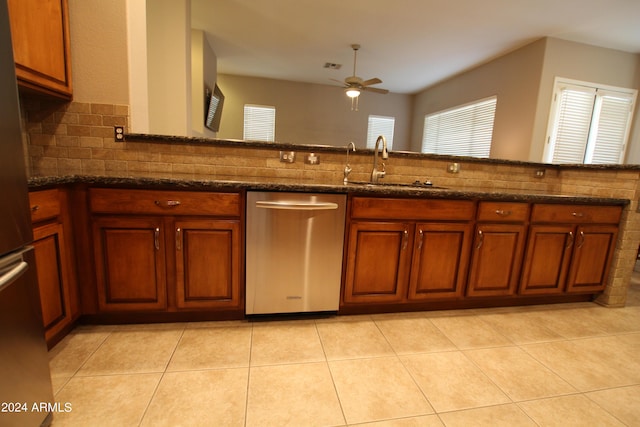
(41, 47)
(569, 248)
(497, 249)
(207, 254)
(130, 262)
(402, 250)
(54, 262)
(167, 250)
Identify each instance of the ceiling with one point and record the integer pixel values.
(409, 44)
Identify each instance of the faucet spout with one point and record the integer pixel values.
(347, 167)
(375, 173)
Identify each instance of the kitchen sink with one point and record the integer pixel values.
(415, 184)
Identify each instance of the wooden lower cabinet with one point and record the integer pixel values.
(569, 249)
(54, 277)
(207, 263)
(55, 262)
(378, 262)
(130, 263)
(440, 260)
(496, 259)
(592, 257)
(567, 258)
(547, 259)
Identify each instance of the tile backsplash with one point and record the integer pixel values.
(78, 139)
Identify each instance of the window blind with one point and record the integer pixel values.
(588, 124)
(380, 125)
(465, 130)
(259, 123)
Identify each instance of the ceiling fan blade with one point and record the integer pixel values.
(373, 81)
(375, 89)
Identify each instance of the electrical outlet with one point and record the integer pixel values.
(312, 159)
(453, 168)
(539, 173)
(287, 156)
(118, 133)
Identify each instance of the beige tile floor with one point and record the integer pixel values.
(555, 365)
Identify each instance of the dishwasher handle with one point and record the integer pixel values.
(297, 206)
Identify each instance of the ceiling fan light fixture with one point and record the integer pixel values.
(352, 92)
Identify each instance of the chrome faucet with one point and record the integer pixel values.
(347, 167)
(375, 173)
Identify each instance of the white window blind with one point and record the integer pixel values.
(380, 125)
(588, 124)
(465, 130)
(259, 123)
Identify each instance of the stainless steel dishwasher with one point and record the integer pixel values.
(293, 252)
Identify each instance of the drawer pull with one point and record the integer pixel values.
(577, 214)
(156, 238)
(167, 203)
(35, 208)
(178, 239)
(480, 239)
(503, 212)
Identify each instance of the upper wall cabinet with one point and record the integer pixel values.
(40, 33)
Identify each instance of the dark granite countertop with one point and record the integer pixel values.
(275, 184)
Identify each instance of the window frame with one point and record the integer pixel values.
(600, 92)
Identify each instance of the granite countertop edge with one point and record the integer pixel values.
(273, 184)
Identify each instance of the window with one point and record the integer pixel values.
(380, 125)
(588, 123)
(462, 131)
(259, 122)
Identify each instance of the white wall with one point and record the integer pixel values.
(311, 113)
(204, 71)
(514, 78)
(586, 63)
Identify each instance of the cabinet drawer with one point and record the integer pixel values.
(44, 204)
(503, 212)
(576, 213)
(416, 209)
(124, 201)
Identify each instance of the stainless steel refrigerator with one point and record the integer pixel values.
(26, 395)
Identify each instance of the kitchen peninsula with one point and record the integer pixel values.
(489, 209)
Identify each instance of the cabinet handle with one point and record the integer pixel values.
(35, 208)
(421, 234)
(503, 212)
(167, 203)
(480, 239)
(581, 240)
(156, 239)
(178, 239)
(405, 239)
(570, 240)
(577, 214)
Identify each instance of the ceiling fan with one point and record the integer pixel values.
(354, 85)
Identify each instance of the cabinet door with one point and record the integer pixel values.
(207, 263)
(440, 259)
(130, 263)
(547, 259)
(40, 34)
(378, 262)
(593, 250)
(496, 259)
(53, 277)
